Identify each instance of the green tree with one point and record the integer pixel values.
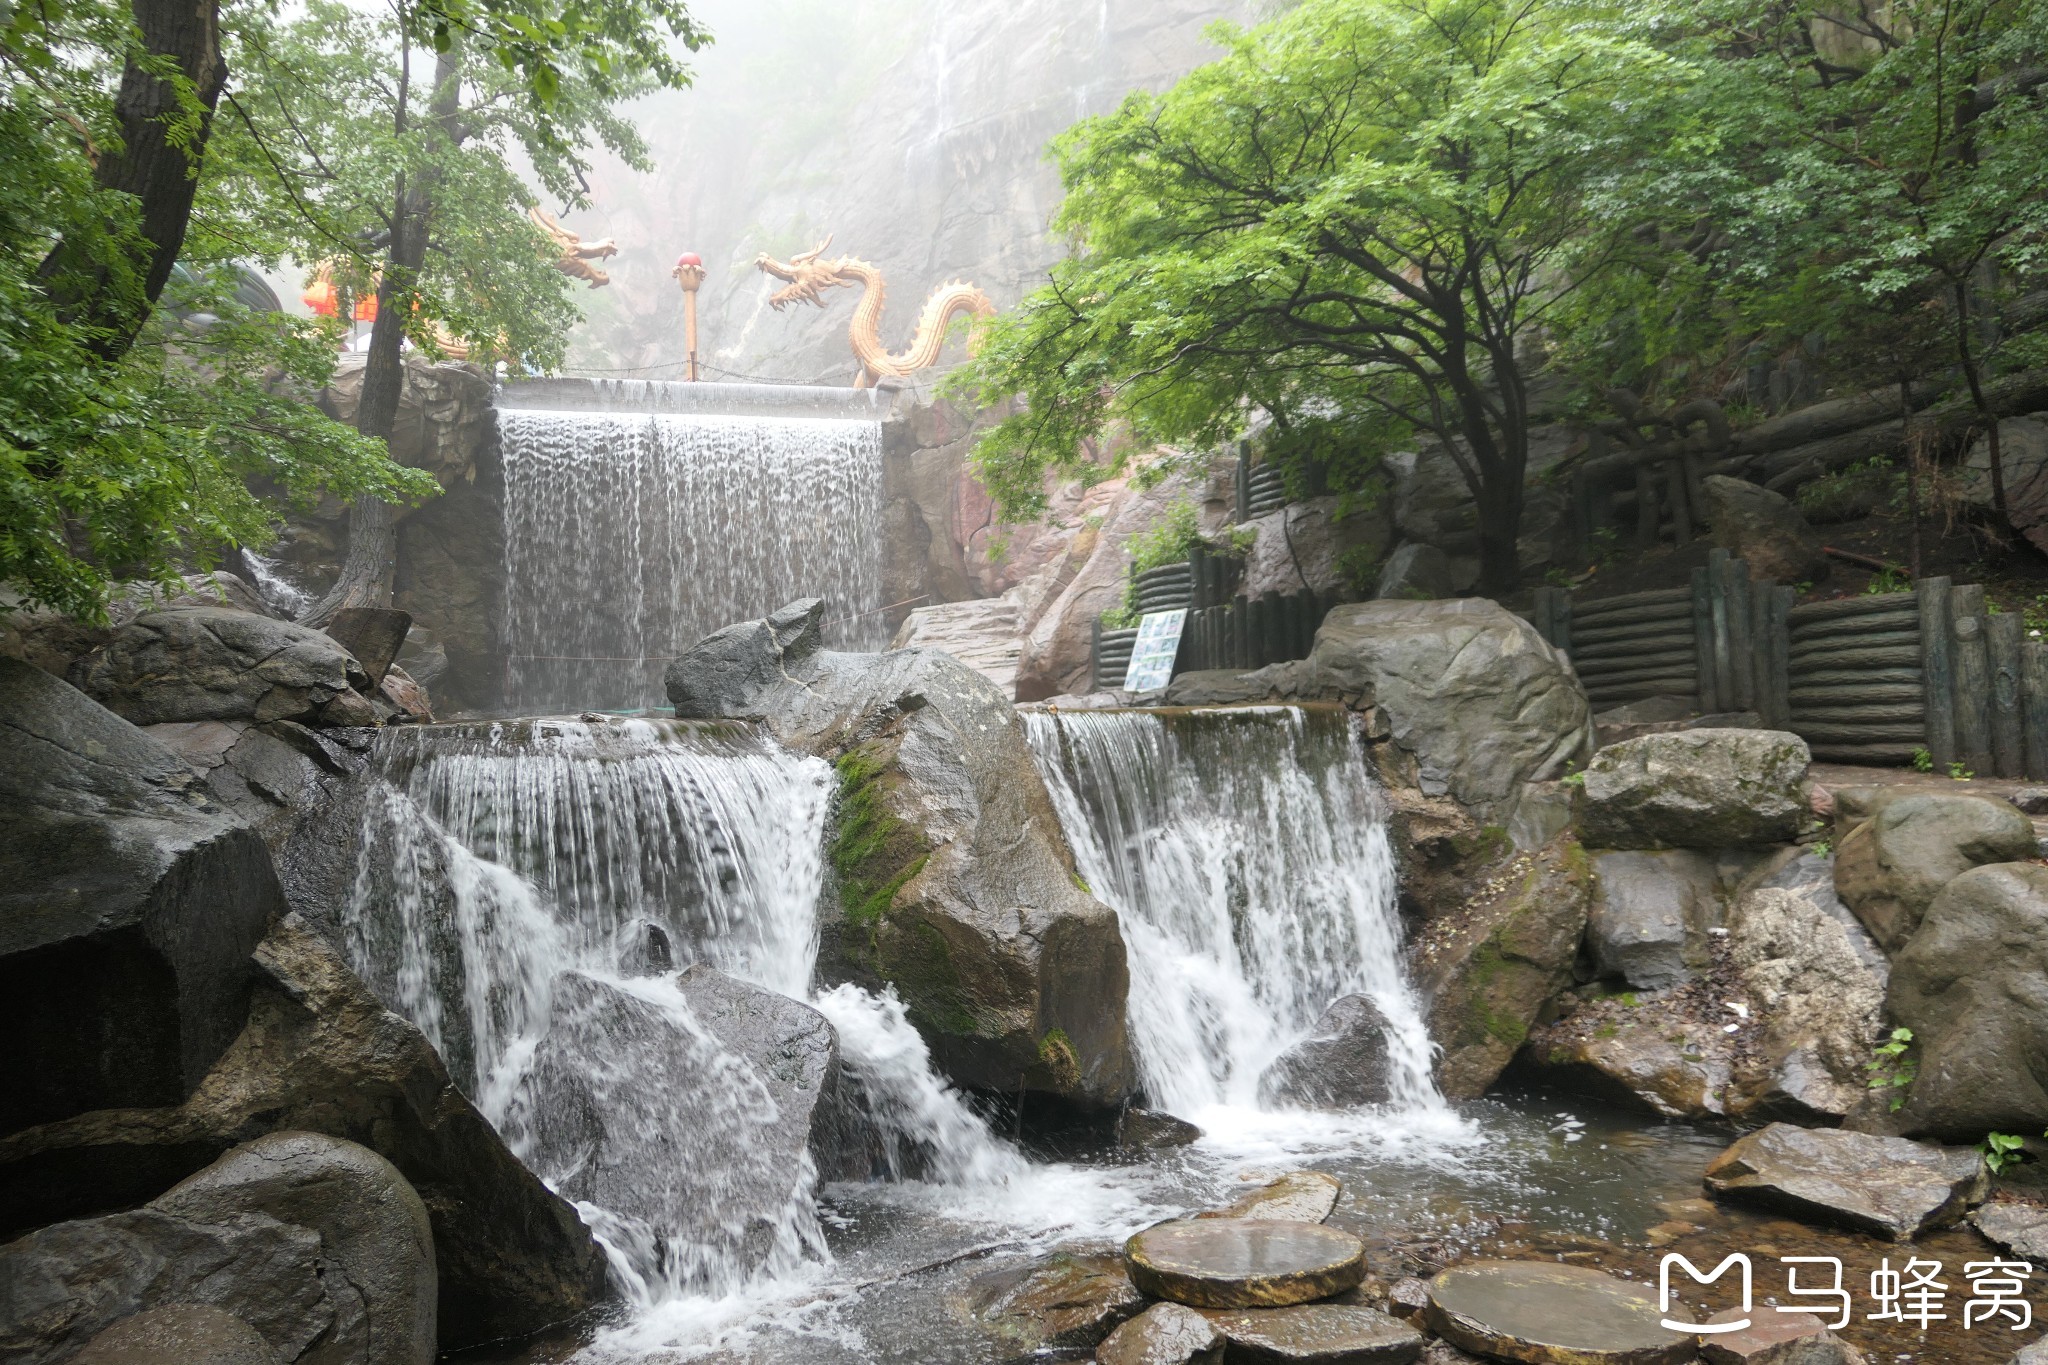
(1367, 206)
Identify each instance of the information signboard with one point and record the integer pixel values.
(1152, 654)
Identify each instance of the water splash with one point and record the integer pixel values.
(1245, 852)
(630, 536)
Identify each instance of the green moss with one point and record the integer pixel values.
(1056, 1054)
(873, 853)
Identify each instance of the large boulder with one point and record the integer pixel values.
(320, 1054)
(189, 1333)
(709, 1165)
(1763, 529)
(1651, 911)
(1489, 966)
(1307, 546)
(986, 634)
(1890, 868)
(1415, 573)
(1886, 1186)
(953, 880)
(1665, 1054)
(1341, 1064)
(129, 904)
(1696, 789)
(214, 663)
(1471, 693)
(1816, 1006)
(317, 1244)
(1972, 984)
(1063, 1301)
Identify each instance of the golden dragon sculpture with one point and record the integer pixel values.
(577, 254)
(809, 274)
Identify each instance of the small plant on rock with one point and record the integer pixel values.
(1957, 771)
(2002, 1150)
(1923, 761)
(1892, 1068)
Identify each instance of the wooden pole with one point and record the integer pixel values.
(689, 273)
(1973, 678)
(2008, 727)
(1760, 598)
(1724, 660)
(1781, 654)
(1937, 667)
(2034, 705)
(1703, 638)
(1741, 635)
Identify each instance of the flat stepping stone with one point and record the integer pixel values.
(1774, 1338)
(1244, 1262)
(1548, 1313)
(1315, 1334)
(1297, 1197)
(1067, 1300)
(1886, 1185)
(1164, 1334)
(2021, 1229)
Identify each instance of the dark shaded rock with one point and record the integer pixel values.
(1696, 789)
(1470, 692)
(954, 882)
(1408, 1299)
(1972, 984)
(129, 904)
(1650, 914)
(1657, 1055)
(1297, 1197)
(711, 1158)
(1651, 715)
(374, 635)
(213, 663)
(1065, 1301)
(1306, 545)
(1763, 528)
(1415, 573)
(1164, 1334)
(1816, 1005)
(1244, 1262)
(1551, 1314)
(1774, 1338)
(187, 1333)
(319, 1053)
(1151, 1130)
(2032, 800)
(2021, 1229)
(1316, 1334)
(1884, 1185)
(1340, 1065)
(373, 1229)
(1889, 869)
(1489, 966)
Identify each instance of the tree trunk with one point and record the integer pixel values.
(158, 169)
(368, 574)
(1500, 528)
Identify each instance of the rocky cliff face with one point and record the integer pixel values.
(912, 130)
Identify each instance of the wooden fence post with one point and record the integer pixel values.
(1770, 635)
(1938, 667)
(1973, 677)
(2034, 687)
(1703, 638)
(1741, 635)
(1724, 662)
(2007, 725)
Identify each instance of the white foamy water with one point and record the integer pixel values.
(630, 536)
(1245, 853)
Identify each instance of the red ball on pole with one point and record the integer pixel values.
(688, 258)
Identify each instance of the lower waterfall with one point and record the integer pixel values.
(1245, 852)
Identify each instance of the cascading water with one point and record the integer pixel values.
(1245, 852)
(631, 535)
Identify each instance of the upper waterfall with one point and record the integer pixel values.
(1245, 852)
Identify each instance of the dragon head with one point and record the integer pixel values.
(807, 275)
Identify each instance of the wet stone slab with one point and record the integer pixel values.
(1315, 1334)
(1885, 1185)
(1774, 1338)
(1164, 1334)
(1297, 1197)
(2021, 1229)
(1066, 1300)
(1244, 1262)
(1545, 1313)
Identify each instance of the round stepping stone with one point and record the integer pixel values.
(1244, 1262)
(1547, 1313)
(1315, 1334)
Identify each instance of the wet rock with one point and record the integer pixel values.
(1774, 1338)
(374, 635)
(712, 1158)
(1151, 1130)
(1065, 1301)
(1164, 1334)
(1489, 966)
(1696, 789)
(401, 700)
(1972, 984)
(130, 905)
(1244, 1262)
(1651, 715)
(2021, 1229)
(1817, 1006)
(1316, 1334)
(1763, 528)
(373, 1231)
(954, 881)
(320, 1053)
(1297, 1197)
(213, 663)
(1341, 1064)
(1650, 914)
(1408, 1299)
(1884, 1185)
(1890, 869)
(1415, 573)
(1470, 692)
(1667, 1055)
(187, 1333)
(1551, 1314)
